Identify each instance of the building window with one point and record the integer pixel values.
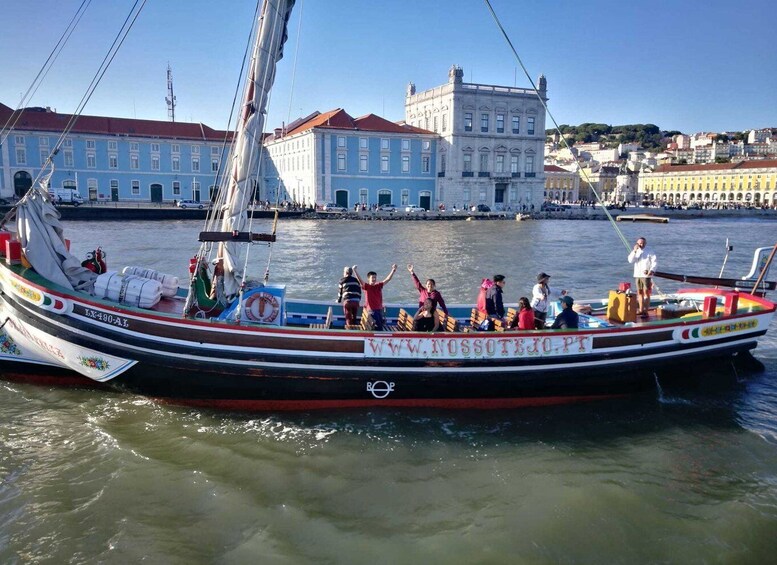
(516, 124)
(43, 142)
(513, 163)
(113, 146)
(483, 162)
(426, 145)
(405, 145)
(500, 123)
(136, 188)
(530, 126)
(363, 196)
(363, 163)
(500, 164)
(214, 150)
(91, 161)
(467, 162)
(435, 124)
(466, 194)
(341, 161)
(362, 143)
(114, 187)
(425, 160)
(195, 164)
(175, 148)
(404, 197)
(442, 163)
(445, 122)
(214, 165)
(90, 144)
(21, 156)
(68, 143)
(405, 163)
(195, 149)
(483, 122)
(91, 186)
(69, 159)
(175, 163)
(176, 188)
(113, 161)
(529, 164)
(384, 144)
(134, 146)
(340, 141)
(18, 139)
(468, 121)
(44, 154)
(155, 148)
(155, 163)
(384, 164)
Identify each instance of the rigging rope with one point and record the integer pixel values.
(556, 126)
(16, 115)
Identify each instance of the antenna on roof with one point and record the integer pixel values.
(170, 98)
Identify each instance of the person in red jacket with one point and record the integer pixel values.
(525, 319)
(373, 294)
(429, 290)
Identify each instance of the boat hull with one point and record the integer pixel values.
(284, 368)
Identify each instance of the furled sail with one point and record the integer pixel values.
(271, 35)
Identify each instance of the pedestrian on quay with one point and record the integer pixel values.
(645, 262)
(373, 294)
(349, 294)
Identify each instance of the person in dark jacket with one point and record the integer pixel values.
(350, 295)
(568, 318)
(494, 305)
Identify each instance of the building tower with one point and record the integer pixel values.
(170, 98)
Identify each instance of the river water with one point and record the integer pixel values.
(686, 474)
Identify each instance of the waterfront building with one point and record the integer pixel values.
(491, 141)
(561, 185)
(603, 179)
(742, 183)
(335, 158)
(112, 159)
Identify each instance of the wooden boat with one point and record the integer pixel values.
(251, 348)
(642, 218)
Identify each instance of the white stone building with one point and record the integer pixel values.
(491, 147)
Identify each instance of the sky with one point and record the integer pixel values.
(687, 65)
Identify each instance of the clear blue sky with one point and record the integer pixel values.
(690, 65)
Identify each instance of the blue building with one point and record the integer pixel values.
(333, 157)
(112, 159)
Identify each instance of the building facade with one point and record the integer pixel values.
(743, 183)
(335, 158)
(561, 185)
(112, 159)
(491, 141)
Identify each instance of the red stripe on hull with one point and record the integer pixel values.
(446, 403)
(51, 380)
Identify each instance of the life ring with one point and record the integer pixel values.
(261, 307)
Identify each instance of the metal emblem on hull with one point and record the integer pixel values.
(380, 389)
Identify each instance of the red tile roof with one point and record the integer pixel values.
(555, 169)
(340, 119)
(751, 164)
(41, 119)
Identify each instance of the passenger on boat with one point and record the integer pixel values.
(217, 286)
(426, 320)
(429, 291)
(541, 294)
(568, 318)
(350, 294)
(494, 305)
(373, 294)
(525, 318)
(645, 263)
(481, 300)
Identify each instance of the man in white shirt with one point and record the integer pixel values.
(645, 262)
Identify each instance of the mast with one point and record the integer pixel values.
(268, 50)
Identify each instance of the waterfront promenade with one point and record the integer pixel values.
(166, 211)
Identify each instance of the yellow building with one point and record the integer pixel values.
(561, 185)
(745, 182)
(603, 179)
